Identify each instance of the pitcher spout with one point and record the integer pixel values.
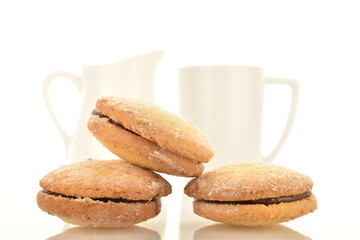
(140, 71)
(151, 57)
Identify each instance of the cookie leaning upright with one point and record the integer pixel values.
(252, 194)
(102, 193)
(146, 135)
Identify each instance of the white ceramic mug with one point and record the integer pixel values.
(226, 102)
(132, 77)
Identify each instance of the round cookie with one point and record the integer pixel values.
(252, 194)
(146, 135)
(111, 193)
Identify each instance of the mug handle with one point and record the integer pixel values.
(294, 87)
(79, 86)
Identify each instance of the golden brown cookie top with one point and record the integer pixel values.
(106, 179)
(158, 125)
(248, 181)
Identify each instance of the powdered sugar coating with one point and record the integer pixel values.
(106, 179)
(158, 125)
(248, 181)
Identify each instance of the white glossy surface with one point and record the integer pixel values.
(336, 217)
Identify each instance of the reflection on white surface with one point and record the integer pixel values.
(129, 233)
(230, 232)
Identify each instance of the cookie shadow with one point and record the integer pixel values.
(87, 233)
(231, 232)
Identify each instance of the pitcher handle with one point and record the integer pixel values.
(294, 87)
(79, 86)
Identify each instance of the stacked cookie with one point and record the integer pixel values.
(115, 193)
(148, 136)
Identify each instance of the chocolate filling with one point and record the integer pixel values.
(267, 201)
(99, 114)
(116, 200)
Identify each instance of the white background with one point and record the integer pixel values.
(315, 42)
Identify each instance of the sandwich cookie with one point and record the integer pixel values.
(252, 194)
(111, 193)
(146, 135)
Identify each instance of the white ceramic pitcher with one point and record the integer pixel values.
(132, 77)
(226, 103)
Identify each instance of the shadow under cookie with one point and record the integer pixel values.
(86, 233)
(231, 232)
